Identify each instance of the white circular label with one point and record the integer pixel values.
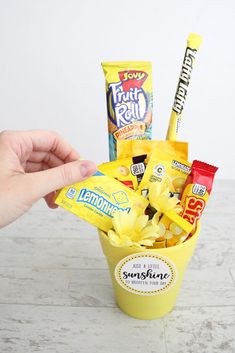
(159, 170)
(146, 273)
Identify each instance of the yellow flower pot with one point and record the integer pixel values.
(146, 282)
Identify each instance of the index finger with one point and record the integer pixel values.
(50, 141)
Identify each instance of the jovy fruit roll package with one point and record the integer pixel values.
(129, 101)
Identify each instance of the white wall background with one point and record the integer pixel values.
(51, 78)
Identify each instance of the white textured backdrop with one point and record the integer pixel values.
(51, 78)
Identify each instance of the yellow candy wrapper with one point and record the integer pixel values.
(129, 101)
(128, 171)
(174, 230)
(97, 198)
(130, 148)
(165, 168)
(193, 44)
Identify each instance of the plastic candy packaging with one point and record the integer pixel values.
(165, 168)
(128, 171)
(196, 191)
(193, 44)
(129, 101)
(97, 198)
(130, 148)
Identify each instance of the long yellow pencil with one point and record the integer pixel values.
(193, 44)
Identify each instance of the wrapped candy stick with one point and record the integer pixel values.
(193, 43)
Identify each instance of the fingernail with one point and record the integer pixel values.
(87, 169)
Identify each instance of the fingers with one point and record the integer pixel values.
(23, 143)
(31, 167)
(46, 157)
(43, 183)
(50, 141)
(41, 161)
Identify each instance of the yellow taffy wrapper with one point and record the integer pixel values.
(165, 168)
(131, 148)
(174, 230)
(128, 171)
(98, 198)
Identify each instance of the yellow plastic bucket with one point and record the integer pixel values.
(146, 282)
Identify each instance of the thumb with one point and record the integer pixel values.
(44, 182)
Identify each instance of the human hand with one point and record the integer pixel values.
(34, 164)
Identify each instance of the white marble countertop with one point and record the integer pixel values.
(56, 293)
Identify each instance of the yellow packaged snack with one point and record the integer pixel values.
(165, 168)
(130, 148)
(193, 44)
(97, 198)
(174, 229)
(128, 171)
(129, 101)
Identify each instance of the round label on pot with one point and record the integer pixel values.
(146, 273)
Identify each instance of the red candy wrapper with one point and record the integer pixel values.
(196, 192)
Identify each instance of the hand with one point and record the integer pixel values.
(34, 164)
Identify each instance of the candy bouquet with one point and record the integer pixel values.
(148, 200)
